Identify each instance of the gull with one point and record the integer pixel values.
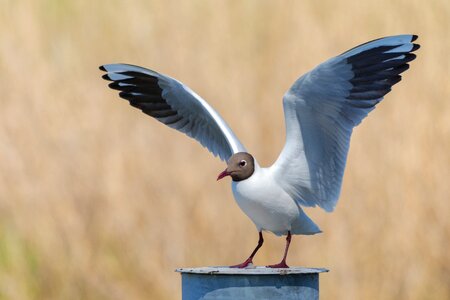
(321, 109)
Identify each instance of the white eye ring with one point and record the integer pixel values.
(242, 163)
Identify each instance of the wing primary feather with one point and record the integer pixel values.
(140, 75)
(376, 85)
(154, 106)
(368, 95)
(171, 120)
(371, 60)
(137, 98)
(378, 67)
(159, 113)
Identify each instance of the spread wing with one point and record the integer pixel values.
(324, 105)
(174, 104)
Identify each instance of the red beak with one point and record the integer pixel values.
(223, 174)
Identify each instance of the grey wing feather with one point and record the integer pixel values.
(322, 108)
(175, 105)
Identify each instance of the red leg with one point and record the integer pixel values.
(249, 260)
(283, 264)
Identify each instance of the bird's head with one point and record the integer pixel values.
(241, 166)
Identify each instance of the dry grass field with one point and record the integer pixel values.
(99, 201)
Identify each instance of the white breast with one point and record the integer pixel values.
(265, 202)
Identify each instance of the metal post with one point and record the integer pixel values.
(260, 283)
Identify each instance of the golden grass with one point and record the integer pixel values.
(98, 201)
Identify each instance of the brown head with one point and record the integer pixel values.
(240, 167)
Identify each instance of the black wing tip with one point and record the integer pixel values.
(106, 77)
(409, 57)
(115, 86)
(102, 68)
(415, 47)
(414, 37)
(394, 79)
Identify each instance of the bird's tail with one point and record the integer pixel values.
(304, 225)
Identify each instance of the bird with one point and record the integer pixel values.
(321, 109)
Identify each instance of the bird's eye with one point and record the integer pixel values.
(242, 163)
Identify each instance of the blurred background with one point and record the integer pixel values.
(99, 201)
